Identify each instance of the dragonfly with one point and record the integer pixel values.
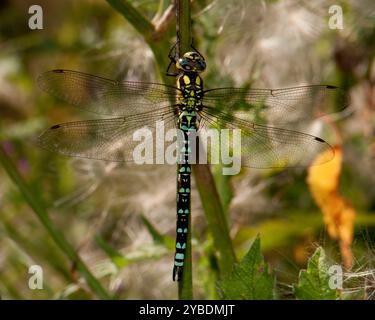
(189, 107)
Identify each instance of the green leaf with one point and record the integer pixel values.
(313, 283)
(250, 279)
(115, 255)
(158, 238)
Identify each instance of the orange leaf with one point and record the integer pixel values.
(338, 214)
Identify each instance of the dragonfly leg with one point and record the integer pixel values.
(195, 49)
(172, 58)
(171, 74)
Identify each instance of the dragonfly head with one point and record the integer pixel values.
(191, 62)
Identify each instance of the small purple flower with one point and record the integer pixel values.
(23, 165)
(8, 147)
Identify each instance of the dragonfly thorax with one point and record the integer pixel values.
(191, 86)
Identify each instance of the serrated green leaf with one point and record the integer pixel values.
(250, 279)
(313, 282)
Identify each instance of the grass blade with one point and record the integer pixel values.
(56, 235)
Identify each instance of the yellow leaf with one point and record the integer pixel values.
(324, 178)
(338, 214)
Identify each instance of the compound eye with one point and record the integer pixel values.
(184, 64)
(202, 64)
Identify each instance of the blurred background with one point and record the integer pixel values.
(104, 207)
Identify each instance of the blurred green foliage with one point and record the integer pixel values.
(111, 214)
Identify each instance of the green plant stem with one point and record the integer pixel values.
(54, 257)
(42, 215)
(215, 216)
(160, 49)
(203, 176)
(134, 17)
(159, 45)
(183, 28)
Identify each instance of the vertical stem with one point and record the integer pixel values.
(185, 286)
(203, 177)
(210, 199)
(159, 45)
(183, 26)
(215, 216)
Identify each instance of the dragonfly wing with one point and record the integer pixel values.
(108, 139)
(104, 96)
(268, 147)
(277, 105)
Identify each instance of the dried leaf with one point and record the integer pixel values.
(338, 214)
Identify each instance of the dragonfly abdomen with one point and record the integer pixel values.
(191, 87)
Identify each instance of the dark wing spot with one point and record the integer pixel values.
(319, 139)
(56, 126)
(331, 87)
(58, 71)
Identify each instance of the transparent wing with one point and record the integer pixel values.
(104, 96)
(109, 139)
(277, 105)
(264, 146)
